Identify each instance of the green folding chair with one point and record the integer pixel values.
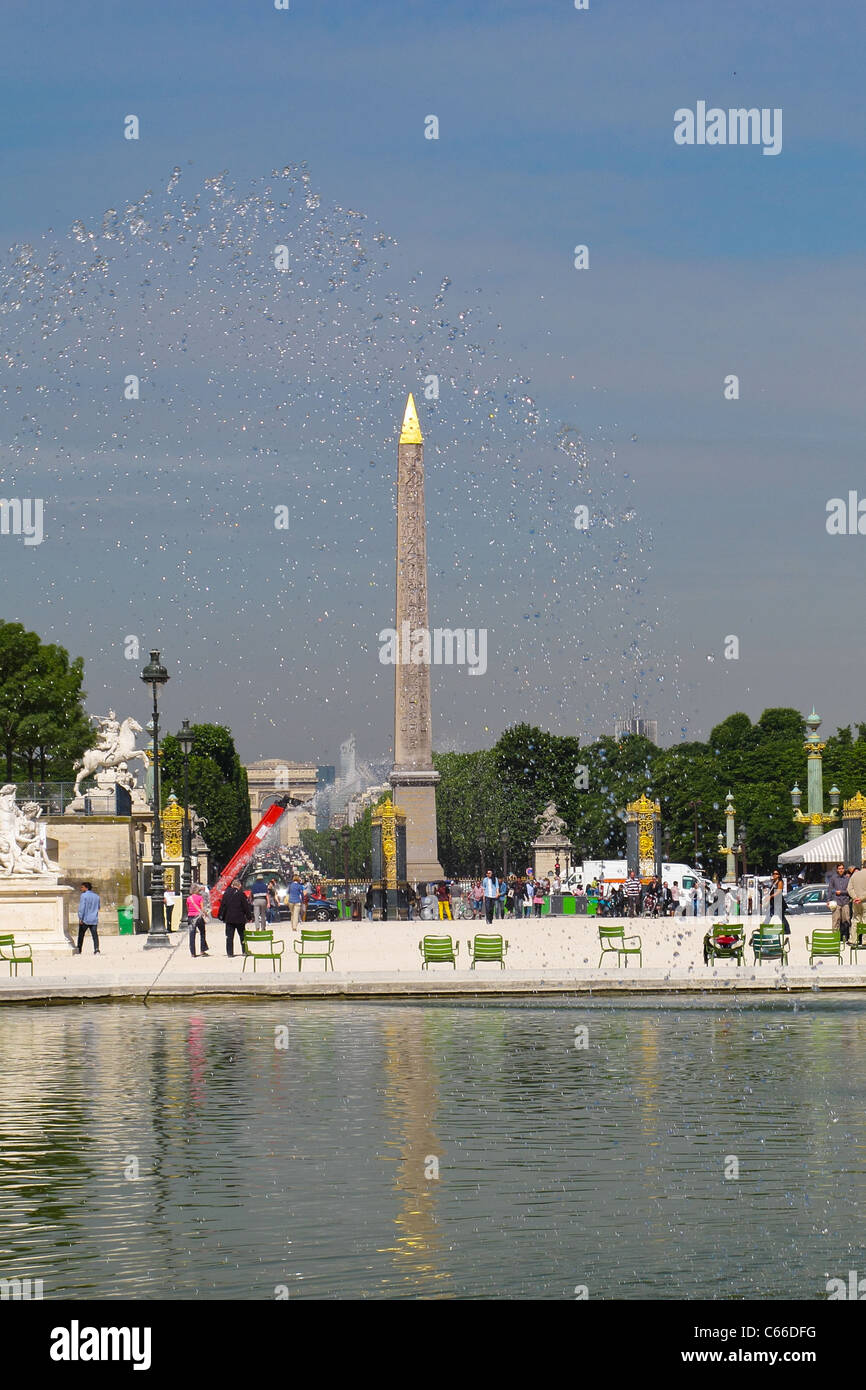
(490, 950)
(825, 943)
(320, 939)
(15, 955)
(612, 939)
(260, 945)
(438, 950)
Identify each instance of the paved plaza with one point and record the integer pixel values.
(547, 956)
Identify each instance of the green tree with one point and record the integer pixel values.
(217, 786)
(317, 844)
(41, 704)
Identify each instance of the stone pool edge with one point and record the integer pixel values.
(326, 987)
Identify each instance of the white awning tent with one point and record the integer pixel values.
(824, 849)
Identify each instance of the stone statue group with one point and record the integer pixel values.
(115, 749)
(22, 844)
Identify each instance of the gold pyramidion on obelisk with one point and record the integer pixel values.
(413, 777)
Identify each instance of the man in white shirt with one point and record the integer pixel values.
(491, 896)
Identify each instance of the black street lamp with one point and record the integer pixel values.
(504, 838)
(482, 847)
(185, 739)
(741, 836)
(334, 843)
(155, 675)
(346, 834)
(695, 805)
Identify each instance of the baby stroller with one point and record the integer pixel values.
(650, 905)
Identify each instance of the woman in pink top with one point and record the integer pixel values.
(195, 917)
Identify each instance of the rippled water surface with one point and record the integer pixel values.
(291, 1150)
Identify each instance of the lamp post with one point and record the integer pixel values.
(741, 846)
(729, 839)
(185, 739)
(156, 676)
(814, 817)
(504, 838)
(482, 846)
(695, 805)
(346, 833)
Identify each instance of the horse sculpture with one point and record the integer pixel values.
(123, 751)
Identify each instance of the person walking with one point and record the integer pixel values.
(195, 917)
(776, 900)
(857, 894)
(169, 898)
(491, 895)
(503, 899)
(235, 911)
(443, 893)
(273, 910)
(368, 902)
(476, 897)
(537, 897)
(259, 894)
(528, 893)
(88, 917)
(632, 893)
(839, 900)
(296, 901)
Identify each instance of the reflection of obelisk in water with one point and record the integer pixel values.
(412, 776)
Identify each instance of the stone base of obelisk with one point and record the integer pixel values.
(35, 910)
(415, 793)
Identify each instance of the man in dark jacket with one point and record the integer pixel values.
(235, 910)
(838, 900)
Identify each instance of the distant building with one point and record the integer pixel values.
(645, 728)
(273, 778)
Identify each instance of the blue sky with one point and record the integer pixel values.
(556, 128)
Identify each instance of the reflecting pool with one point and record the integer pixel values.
(659, 1148)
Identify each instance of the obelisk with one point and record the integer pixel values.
(412, 777)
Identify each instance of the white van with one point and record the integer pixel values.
(616, 871)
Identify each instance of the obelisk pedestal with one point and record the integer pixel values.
(413, 776)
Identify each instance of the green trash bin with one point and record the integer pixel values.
(591, 907)
(569, 907)
(125, 921)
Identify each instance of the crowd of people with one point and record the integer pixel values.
(523, 895)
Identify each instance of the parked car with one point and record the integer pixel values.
(812, 898)
(322, 910)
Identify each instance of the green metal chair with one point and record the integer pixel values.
(489, 949)
(7, 944)
(263, 939)
(769, 943)
(717, 947)
(438, 950)
(854, 947)
(825, 942)
(618, 942)
(315, 938)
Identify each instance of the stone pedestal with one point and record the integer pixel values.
(416, 794)
(36, 911)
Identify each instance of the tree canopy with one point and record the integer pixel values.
(43, 724)
(217, 786)
(507, 787)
